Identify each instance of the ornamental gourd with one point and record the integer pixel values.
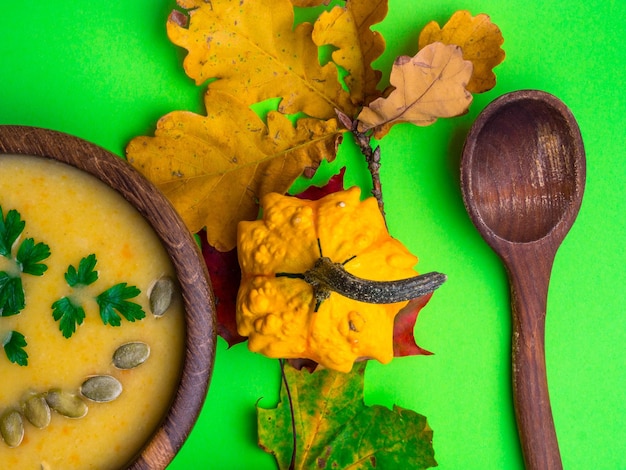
(324, 280)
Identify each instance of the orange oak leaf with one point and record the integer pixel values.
(428, 86)
(255, 53)
(480, 40)
(348, 29)
(214, 168)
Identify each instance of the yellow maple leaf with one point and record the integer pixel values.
(255, 52)
(215, 168)
(428, 86)
(480, 40)
(348, 29)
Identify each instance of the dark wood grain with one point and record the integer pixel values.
(186, 258)
(523, 176)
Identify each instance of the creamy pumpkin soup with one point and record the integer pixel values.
(91, 322)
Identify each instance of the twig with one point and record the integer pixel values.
(372, 156)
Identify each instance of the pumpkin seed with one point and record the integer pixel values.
(37, 411)
(101, 388)
(12, 428)
(161, 295)
(66, 403)
(130, 355)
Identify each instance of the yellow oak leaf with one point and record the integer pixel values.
(480, 40)
(215, 168)
(348, 29)
(428, 86)
(255, 53)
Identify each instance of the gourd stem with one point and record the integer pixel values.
(327, 276)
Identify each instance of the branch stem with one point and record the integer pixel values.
(372, 155)
(372, 158)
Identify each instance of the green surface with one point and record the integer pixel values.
(105, 71)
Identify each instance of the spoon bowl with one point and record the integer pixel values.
(523, 157)
(522, 178)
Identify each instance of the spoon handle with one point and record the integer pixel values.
(529, 289)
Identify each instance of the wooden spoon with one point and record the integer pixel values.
(522, 177)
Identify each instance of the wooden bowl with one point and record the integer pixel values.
(185, 256)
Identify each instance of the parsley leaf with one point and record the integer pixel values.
(111, 302)
(85, 274)
(28, 259)
(11, 295)
(10, 229)
(115, 299)
(68, 315)
(14, 344)
(30, 255)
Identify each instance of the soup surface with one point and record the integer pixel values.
(76, 215)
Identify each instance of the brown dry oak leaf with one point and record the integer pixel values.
(480, 40)
(214, 168)
(255, 53)
(348, 29)
(428, 86)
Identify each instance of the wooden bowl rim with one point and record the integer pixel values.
(184, 253)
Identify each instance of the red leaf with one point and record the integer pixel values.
(335, 183)
(403, 336)
(225, 277)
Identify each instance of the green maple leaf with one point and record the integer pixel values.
(335, 429)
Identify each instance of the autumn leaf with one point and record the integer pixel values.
(480, 41)
(357, 46)
(428, 86)
(335, 429)
(255, 53)
(214, 168)
(225, 277)
(403, 335)
(334, 184)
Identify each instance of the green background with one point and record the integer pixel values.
(105, 71)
